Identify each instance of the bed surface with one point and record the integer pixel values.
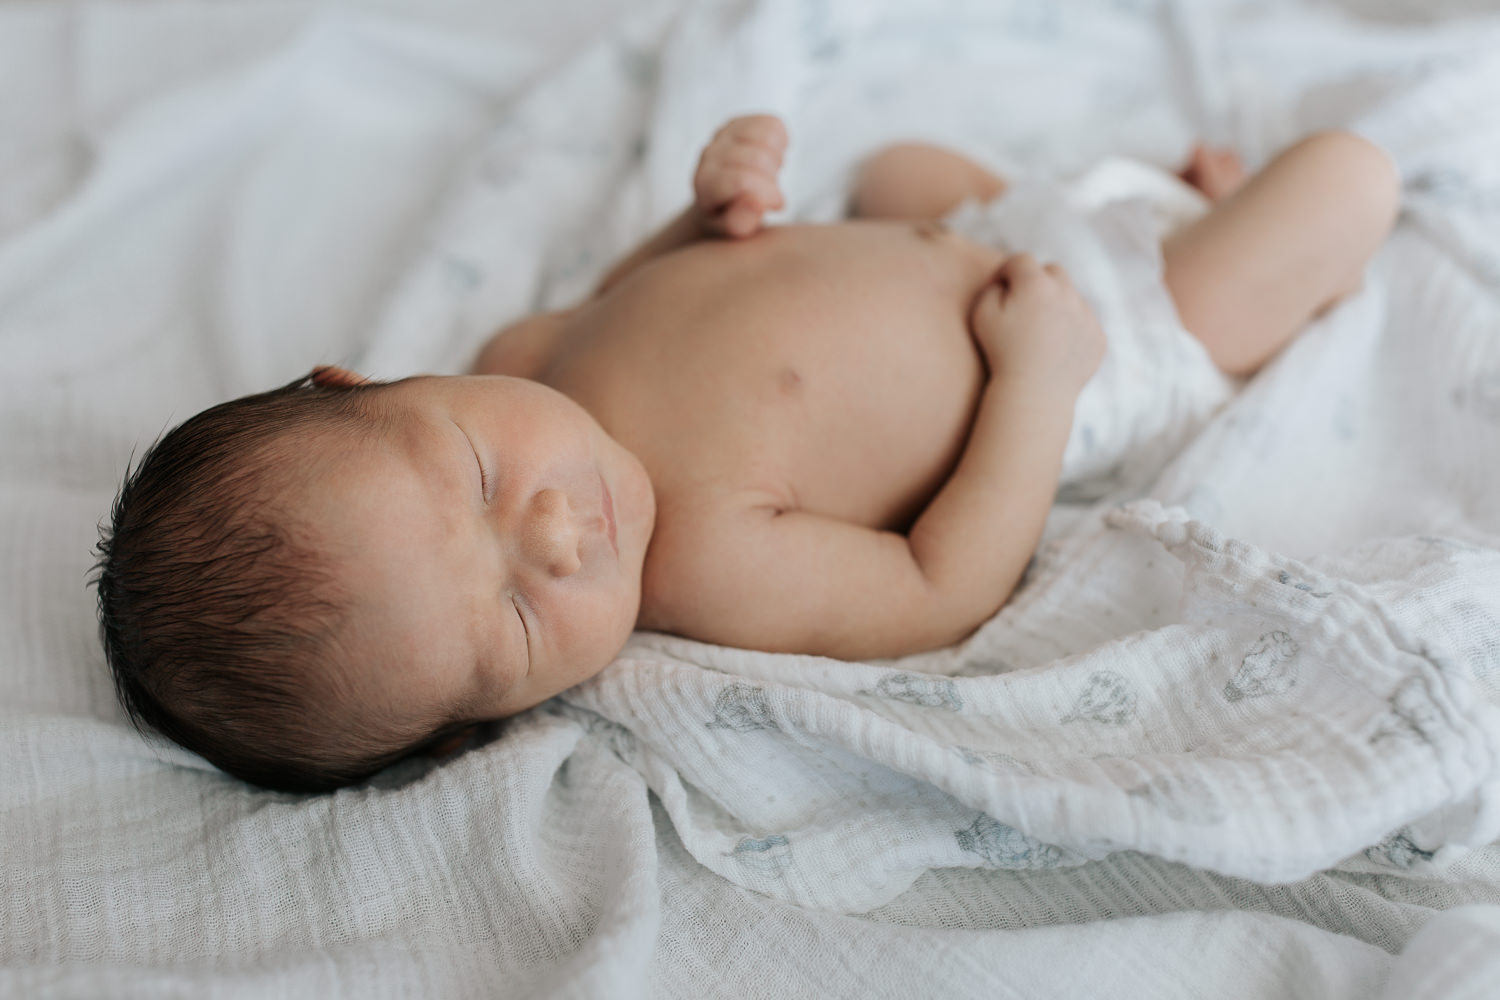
(1238, 736)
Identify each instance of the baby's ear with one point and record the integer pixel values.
(446, 747)
(336, 377)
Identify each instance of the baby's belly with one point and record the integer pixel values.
(829, 366)
(886, 403)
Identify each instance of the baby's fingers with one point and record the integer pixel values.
(1017, 269)
(716, 188)
(766, 130)
(740, 214)
(759, 159)
(985, 314)
(742, 218)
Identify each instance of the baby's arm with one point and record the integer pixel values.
(733, 188)
(762, 576)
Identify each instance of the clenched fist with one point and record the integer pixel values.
(1032, 324)
(735, 185)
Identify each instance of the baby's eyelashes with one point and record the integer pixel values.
(484, 475)
(525, 628)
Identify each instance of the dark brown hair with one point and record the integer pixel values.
(218, 617)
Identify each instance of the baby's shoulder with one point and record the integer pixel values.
(523, 348)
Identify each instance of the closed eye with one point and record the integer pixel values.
(524, 630)
(484, 476)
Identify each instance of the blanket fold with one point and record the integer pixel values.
(1291, 719)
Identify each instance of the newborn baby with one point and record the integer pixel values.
(831, 439)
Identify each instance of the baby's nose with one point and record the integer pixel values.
(551, 533)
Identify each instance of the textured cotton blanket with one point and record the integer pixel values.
(1236, 735)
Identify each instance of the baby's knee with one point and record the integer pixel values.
(913, 180)
(1365, 172)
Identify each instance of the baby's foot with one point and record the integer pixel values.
(1218, 173)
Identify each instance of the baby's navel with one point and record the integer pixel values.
(789, 382)
(930, 229)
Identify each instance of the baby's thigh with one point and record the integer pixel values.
(1250, 274)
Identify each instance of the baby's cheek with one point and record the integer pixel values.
(604, 626)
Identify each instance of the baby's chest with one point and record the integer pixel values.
(851, 406)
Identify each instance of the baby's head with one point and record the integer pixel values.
(308, 584)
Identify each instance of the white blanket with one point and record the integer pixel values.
(1235, 737)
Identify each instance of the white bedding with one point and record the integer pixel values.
(1237, 737)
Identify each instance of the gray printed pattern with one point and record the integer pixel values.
(918, 689)
(1107, 698)
(1412, 715)
(1184, 797)
(1284, 577)
(1004, 846)
(993, 759)
(765, 855)
(1398, 851)
(743, 708)
(1268, 668)
(620, 741)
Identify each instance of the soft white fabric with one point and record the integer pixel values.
(1156, 385)
(1316, 720)
(1235, 737)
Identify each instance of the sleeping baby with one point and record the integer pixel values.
(831, 439)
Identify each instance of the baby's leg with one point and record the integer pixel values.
(917, 181)
(914, 180)
(1293, 240)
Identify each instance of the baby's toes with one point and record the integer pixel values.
(1194, 166)
(1217, 173)
(1226, 172)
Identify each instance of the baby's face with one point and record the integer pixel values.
(491, 536)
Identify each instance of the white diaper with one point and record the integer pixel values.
(1156, 386)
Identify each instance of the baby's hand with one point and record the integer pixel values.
(1032, 324)
(736, 180)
